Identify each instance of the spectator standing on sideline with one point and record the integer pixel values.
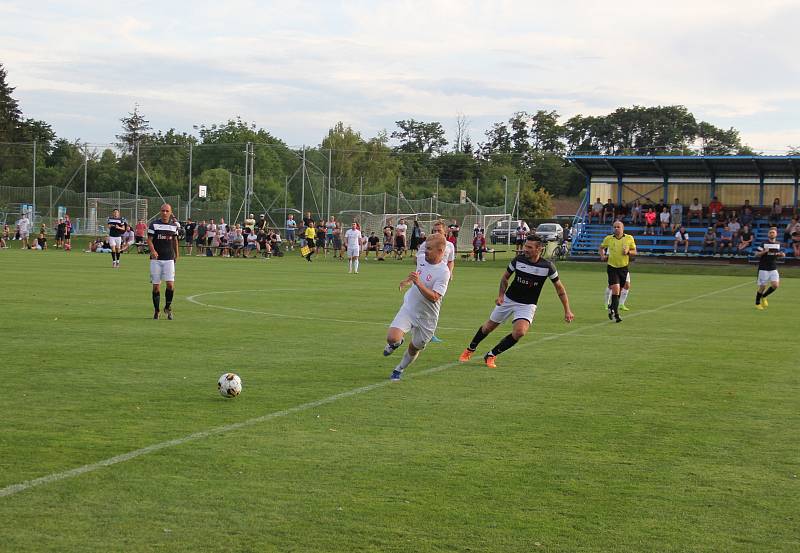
(200, 242)
(291, 228)
(24, 226)
(188, 237)
(676, 214)
(416, 237)
(400, 239)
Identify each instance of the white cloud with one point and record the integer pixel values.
(299, 67)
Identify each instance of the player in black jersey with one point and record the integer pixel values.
(162, 237)
(530, 272)
(116, 228)
(768, 255)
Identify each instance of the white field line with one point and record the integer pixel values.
(55, 477)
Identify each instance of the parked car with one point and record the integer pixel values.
(504, 232)
(550, 231)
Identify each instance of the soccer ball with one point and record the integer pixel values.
(229, 385)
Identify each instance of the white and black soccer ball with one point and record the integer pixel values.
(229, 385)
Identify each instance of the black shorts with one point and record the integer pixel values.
(519, 241)
(138, 239)
(400, 242)
(617, 275)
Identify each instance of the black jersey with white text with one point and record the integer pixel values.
(769, 261)
(529, 278)
(163, 236)
(113, 223)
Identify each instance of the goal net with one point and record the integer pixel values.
(99, 209)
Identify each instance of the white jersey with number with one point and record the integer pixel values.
(352, 238)
(449, 253)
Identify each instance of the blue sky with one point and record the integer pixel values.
(296, 68)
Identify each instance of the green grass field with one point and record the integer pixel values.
(677, 430)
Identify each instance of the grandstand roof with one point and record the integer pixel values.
(687, 166)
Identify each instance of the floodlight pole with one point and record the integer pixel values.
(477, 190)
(285, 197)
(303, 181)
(230, 193)
(330, 164)
(397, 210)
(136, 200)
(85, 199)
(360, 193)
(33, 205)
(189, 204)
(437, 196)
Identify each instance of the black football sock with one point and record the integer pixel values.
(479, 336)
(507, 342)
(759, 295)
(767, 292)
(615, 303)
(168, 297)
(157, 300)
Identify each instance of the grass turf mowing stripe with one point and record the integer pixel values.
(22, 486)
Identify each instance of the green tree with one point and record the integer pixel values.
(420, 137)
(535, 202)
(10, 114)
(134, 129)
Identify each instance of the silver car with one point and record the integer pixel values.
(550, 231)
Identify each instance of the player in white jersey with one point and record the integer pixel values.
(421, 304)
(449, 258)
(352, 239)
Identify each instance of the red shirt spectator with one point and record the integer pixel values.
(141, 229)
(715, 207)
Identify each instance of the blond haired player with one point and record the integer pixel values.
(421, 304)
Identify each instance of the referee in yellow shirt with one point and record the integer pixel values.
(621, 248)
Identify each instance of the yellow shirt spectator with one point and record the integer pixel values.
(616, 246)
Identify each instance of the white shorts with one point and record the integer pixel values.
(765, 277)
(162, 270)
(115, 241)
(423, 330)
(24, 235)
(511, 308)
(353, 252)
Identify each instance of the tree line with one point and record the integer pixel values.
(528, 147)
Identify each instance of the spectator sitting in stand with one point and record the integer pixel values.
(650, 221)
(663, 219)
(608, 211)
(796, 239)
(696, 211)
(478, 246)
(676, 214)
(745, 241)
(597, 210)
(681, 238)
(735, 227)
(710, 242)
(790, 229)
(636, 213)
(747, 213)
(726, 240)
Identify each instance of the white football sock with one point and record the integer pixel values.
(356, 264)
(351, 265)
(623, 296)
(406, 361)
(608, 296)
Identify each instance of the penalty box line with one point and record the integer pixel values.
(72, 473)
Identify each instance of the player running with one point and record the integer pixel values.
(617, 249)
(768, 255)
(353, 240)
(162, 238)
(530, 272)
(116, 228)
(421, 305)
